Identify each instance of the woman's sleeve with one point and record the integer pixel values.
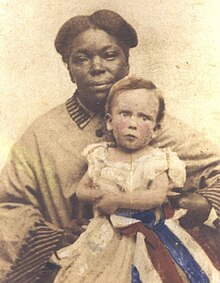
(27, 241)
(212, 194)
(201, 156)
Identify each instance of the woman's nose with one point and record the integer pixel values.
(97, 66)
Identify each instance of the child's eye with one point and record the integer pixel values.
(124, 114)
(146, 118)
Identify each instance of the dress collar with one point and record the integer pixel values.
(78, 112)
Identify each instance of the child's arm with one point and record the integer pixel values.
(86, 191)
(137, 200)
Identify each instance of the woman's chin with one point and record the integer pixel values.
(100, 99)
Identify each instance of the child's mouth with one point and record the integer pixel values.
(131, 137)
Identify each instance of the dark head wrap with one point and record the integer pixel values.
(106, 20)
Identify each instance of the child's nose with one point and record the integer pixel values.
(133, 123)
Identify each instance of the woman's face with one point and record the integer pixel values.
(133, 118)
(96, 62)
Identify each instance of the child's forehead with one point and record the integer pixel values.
(135, 95)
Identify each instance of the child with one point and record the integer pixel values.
(130, 238)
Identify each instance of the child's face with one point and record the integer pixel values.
(133, 118)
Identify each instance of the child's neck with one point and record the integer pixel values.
(125, 154)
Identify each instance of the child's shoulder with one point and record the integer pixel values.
(94, 148)
(154, 151)
(158, 154)
(163, 151)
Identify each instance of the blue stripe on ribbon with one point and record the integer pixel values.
(135, 276)
(180, 254)
(176, 249)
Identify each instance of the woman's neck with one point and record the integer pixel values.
(93, 105)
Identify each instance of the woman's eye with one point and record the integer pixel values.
(80, 59)
(110, 55)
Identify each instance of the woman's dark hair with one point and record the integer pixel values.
(106, 20)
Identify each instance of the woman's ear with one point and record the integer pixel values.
(127, 69)
(157, 127)
(71, 76)
(108, 119)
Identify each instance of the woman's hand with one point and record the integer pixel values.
(198, 209)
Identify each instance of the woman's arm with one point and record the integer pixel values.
(137, 200)
(87, 191)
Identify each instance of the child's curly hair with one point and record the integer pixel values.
(130, 83)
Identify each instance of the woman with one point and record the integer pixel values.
(45, 166)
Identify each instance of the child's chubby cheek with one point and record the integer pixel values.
(122, 125)
(144, 129)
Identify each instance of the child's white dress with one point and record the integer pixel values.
(102, 254)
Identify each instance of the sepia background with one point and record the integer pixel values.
(178, 49)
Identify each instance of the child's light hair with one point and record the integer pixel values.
(130, 83)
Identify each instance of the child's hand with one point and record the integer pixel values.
(73, 231)
(96, 195)
(108, 204)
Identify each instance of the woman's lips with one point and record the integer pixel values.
(100, 85)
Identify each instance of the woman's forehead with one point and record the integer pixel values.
(93, 39)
